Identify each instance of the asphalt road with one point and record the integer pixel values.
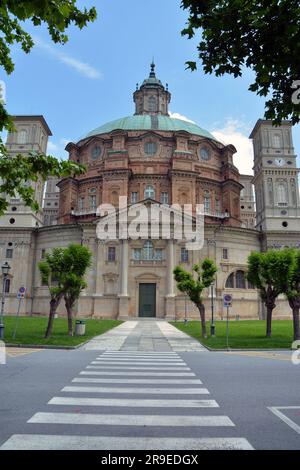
(167, 400)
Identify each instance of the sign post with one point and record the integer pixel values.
(227, 299)
(20, 296)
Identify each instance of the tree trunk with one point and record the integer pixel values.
(53, 307)
(201, 309)
(270, 309)
(70, 317)
(296, 323)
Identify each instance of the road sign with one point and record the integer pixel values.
(22, 290)
(227, 299)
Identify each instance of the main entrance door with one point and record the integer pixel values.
(147, 300)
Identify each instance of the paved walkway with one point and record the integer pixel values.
(145, 336)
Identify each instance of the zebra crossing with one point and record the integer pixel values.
(131, 400)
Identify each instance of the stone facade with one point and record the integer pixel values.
(158, 160)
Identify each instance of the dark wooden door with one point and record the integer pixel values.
(147, 300)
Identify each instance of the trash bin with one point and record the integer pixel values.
(80, 328)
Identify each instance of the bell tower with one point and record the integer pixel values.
(152, 97)
(31, 135)
(275, 178)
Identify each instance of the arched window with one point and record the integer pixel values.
(207, 201)
(152, 104)
(240, 280)
(230, 282)
(22, 138)
(184, 198)
(277, 141)
(237, 280)
(282, 194)
(7, 286)
(115, 198)
(149, 192)
(148, 251)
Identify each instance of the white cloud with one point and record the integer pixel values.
(235, 132)
(81, 67)
(180, 116)
(57, 149)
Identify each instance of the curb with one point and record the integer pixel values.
(45, 346)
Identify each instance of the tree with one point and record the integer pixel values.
(63, 272)
(77, 260)
(193, 284)
(263, 36)
(292, 290)
(267, 272)
(17, 173)
(52, 271)
(58, 15)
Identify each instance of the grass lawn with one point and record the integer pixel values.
(31, 330)
(248, 334)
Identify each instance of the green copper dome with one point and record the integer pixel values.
(148, 122)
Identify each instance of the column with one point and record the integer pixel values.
(124, 269)
(123, 296)
(170, 269)
(99, 268)
(170, 307)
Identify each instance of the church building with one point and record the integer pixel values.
(152, 158)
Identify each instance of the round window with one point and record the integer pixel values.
(285, 224)
(150, 148)
(12, 221)
(204, 154)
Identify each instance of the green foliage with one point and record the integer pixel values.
(194, 283)
(17, 173)
(268, 272)
(263, 36)
(63, 272)
(67, 266)
(292, 290)
(58, 15)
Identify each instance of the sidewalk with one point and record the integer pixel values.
(144, 336)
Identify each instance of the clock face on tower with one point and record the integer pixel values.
(279, 161)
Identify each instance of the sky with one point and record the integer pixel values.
(90, 80)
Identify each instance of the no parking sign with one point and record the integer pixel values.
(21, 293)
(227, 299)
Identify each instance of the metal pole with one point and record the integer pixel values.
(227, 328)
(17, 319)
(2, 308)
(212, 325)
(185, 310)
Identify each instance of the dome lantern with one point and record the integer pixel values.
(152, 97)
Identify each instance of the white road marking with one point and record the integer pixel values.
(130, 420)
(156, 391)
(156, 374)
(58, 442)
(133, 402)
(137, 368)
(138, 381)
(141, 363)
(284, 418)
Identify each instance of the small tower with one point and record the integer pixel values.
(275, 178)
(248, 214)
(31, 134)
(152, 97)
(51, 201)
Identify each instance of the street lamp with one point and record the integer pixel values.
(5, 271)
(212, 324)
